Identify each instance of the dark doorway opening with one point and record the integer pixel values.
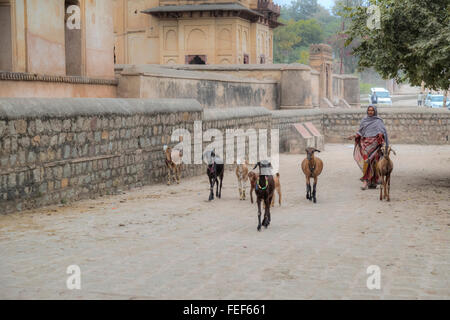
(262, 59)
(246, 59)
(72, 27)
(196, 59)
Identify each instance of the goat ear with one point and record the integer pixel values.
(315, 150)
(393, 151)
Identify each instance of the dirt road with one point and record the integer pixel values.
(161, 242)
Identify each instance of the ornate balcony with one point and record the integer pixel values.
(268, 6)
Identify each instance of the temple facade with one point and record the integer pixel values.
(194, 32)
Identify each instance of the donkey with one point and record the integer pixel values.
(264, 189)
(215, 170)
(173, 163)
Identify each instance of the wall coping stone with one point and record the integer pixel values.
(22, 76)
(162, 72)
(218, 67)
(20, 108)
(296, 113)
(232, 113)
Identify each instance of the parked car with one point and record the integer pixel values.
(436, 101)
(380, 96)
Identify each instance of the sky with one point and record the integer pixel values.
(325, 3)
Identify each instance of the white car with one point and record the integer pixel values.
(436, 101)
(380, 96)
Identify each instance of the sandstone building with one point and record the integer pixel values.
(194, 32)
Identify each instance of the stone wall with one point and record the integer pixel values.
(414, 125)
(244, 118)
(274, 86)
(404, 125)
(57, 150)
(211, 90)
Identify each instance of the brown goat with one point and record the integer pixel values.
(312, 168)
(384, 170)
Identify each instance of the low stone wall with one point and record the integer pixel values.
(210, 89)
(406, 125)
(243, 118)
(57, 150)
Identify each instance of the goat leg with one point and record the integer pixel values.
(307, 190)
(168, 176)
(381, 188)
(385, 187)
(279, 195)
(259, 213)
(388, 187)
(211, 188)
(220, 192)
(314, 190)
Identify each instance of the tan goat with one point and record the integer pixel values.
(173, 163)
(384, 170)
(242, 176)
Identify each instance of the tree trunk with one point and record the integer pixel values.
(445, 99)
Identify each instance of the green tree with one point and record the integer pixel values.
(295, 37)
(301, 10)
(411, 44)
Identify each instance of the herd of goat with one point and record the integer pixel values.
(264, 183)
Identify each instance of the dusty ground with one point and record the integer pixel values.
(161, 242)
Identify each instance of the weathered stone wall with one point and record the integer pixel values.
(414, 125)
(56, 150)
(211, 90)
(421, 126)
(244, 118)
